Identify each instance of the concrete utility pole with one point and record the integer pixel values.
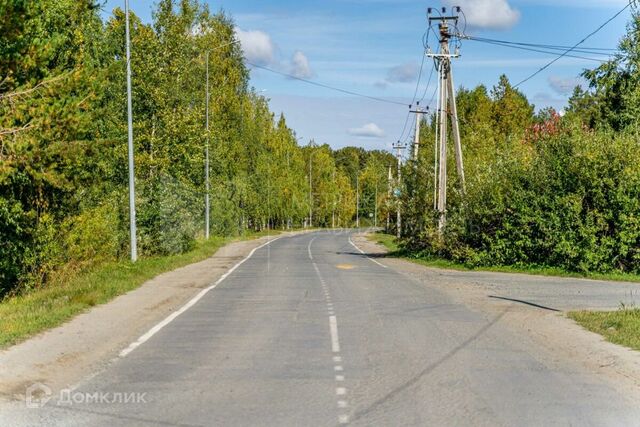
(399, 147)
(132, 185)
(206, 154)
(446, 99)
(416, 136)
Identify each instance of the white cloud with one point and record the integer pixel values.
(404, 73)
(494, 14)
(300, 66)
(257, 46)
(370, 130)
(564, 86)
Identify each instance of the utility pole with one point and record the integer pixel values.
(399, 147)
(357, 199)
(416, 137)
(447, 98)
(206, 155)
(132, 190)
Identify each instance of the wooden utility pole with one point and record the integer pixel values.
(446, 108)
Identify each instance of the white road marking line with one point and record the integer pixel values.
(335, 341)
(333, 326)
(309, 247)
(144, 338)
(362, 252)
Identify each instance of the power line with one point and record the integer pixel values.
(348, 92)
(415, 95)
(415, 92)
(404, 128)
(426, 88)
(530, 49)
(583, 49)
(563, 54)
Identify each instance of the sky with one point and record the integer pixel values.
(375, 47)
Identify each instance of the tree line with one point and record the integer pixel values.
(63, 141)
(543, 189)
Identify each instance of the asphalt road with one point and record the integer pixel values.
(310, 332)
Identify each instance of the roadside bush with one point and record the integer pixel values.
(573, 202)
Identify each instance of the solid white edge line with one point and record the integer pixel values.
(309, 247)
(144, 338)
(362, 252)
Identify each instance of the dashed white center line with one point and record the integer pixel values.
(335, 341)
(333, 326)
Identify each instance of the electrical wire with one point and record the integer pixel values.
(582, 49)
(337, 89)
(415, 92)
(566, 52)
(543, 51)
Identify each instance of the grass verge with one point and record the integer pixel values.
(26, 315)
(390, 243)
(619, 327)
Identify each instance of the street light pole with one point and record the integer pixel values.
(206, 154)
(132, 191)
(357, 199)
(310, 187)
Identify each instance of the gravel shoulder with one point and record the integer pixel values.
(62, 357)
(535, 309)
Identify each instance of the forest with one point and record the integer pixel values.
(545, 188)
(63, 142)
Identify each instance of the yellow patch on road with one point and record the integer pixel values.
(345, 266)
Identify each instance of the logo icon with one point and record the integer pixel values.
(37, 395)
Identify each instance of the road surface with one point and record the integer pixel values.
(309, 331)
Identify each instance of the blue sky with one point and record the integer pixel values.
(375, 47)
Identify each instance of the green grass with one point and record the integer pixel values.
(26, 315)
(390, 243)
(619, 327)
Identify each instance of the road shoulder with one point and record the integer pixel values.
(558, 339)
